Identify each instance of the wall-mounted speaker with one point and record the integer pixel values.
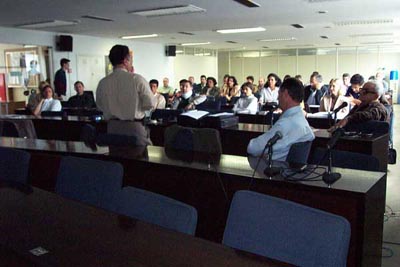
(170, 50)
(64, 43)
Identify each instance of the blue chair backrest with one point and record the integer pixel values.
(299, 152)
(14, 165)
(9, 129)
(157, 209)
(345, 159)
(286, 231)
(90, 181)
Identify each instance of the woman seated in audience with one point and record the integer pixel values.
(35, 97)
(270, 92)
(232, 90)
(247, 103)
(47, 103)
(334, 99)
(211, 88)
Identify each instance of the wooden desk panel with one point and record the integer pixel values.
(79, 235)
(358, 196)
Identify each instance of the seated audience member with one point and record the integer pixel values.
(81, 99)
(369, 108)
(353, 92)
(247, 103)
(159, 100)
(166, 89)
(270, 92)
(34, 98)
(334, 99)
(47, 103)
(224, 87)
(187, 100)
(292, 124)
(260, 86)
(380, 79)
(211, 89)
(201, 87)
(191, 79)
(299, 77)
(345, 83)
(315, 91)
(232, 89)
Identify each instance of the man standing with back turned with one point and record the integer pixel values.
(292, 124)
(123, 96)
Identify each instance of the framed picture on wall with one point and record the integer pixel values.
(23, 68)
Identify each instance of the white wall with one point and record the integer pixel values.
(186, 65)
(149, 58)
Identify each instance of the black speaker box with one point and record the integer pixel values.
(170, 50)
(64, 43)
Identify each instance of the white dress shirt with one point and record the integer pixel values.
(51, 104)
(247, 104)
(268, 95)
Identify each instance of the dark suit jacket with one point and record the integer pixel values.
(318, 95)
(60, 82)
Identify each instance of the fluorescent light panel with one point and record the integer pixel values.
(167, 11)
(139, 36)
(242, 30)
(46, 24)
(191, 44)
(278, 39)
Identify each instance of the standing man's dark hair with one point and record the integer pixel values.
(153, 81)
(294, 88)
(118, 54)
(64, 61)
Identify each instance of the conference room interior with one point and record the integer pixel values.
(329, 46)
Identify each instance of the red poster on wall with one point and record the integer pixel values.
(3, 88)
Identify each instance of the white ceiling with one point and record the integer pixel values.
(274, 15)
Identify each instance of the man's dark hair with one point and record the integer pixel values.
(79, 82)
(357, 79)
(345, 75)
(183, 81)
(203, 76)
(64, 61)
(234, 80)
(250, 78)
(249, 85)
(212, 79)
(278, 80)
(118, 53)
(294, 88)
(153, 81)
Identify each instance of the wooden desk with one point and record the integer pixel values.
(358, 196)
(79, 235)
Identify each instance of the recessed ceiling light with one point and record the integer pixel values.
(265, 47)
(139, 36)
(167, 11)
(248, 3)
(191, 44)
(231, 42)
(298, 26)
(337, 43)
(324, 37)
(322, 12)
(186, 33)
(97, 18)
(278, 39)
(179, 52)
(46, 24)
(242, 30)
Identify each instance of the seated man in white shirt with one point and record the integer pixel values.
(247, 103)
(292, 123)
(159, 100)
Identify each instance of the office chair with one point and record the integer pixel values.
(14, 165)
(9, 129)
(345, 159)
(286, 231)
(299, 152)
(89, 181)
(157, 209)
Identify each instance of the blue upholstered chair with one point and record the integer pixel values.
(286, 231)
(345, 159)
(90, 181)
(157, 209)
(14, 165)
(299, 152)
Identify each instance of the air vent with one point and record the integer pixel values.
(248, 3)
(383, 34)
(168, 11)
(320, 1)
(231, 42)
(363, 22)
(337, 43)
(324, 37)
(97, 18)
(265, 47)
(186, 33)
(298, 26)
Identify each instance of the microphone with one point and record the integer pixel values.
(335, 137)
(343, 105)
(274, 139)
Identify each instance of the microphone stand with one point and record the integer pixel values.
(330, 177)
(271, 171)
